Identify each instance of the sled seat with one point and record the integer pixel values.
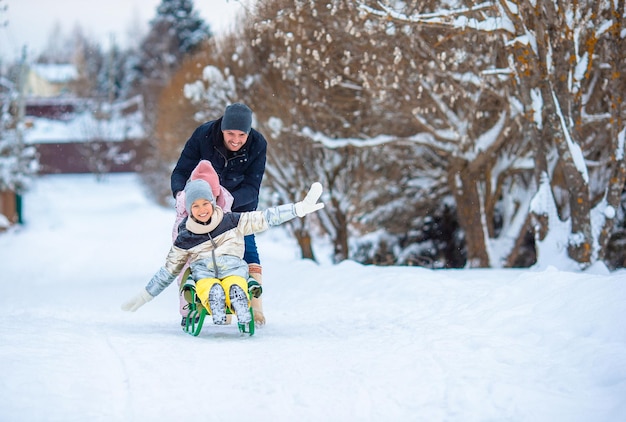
(197, 311)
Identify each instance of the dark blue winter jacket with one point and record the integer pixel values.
(240, 172)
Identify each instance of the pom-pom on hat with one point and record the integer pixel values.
(205, 171)
(197, 189)
(237, 116)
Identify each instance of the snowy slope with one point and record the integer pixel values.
(342, 343)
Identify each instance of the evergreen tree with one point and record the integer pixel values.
(18, 162)
(176, 30)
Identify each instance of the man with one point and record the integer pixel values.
(238, 154)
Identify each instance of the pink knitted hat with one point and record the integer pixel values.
(205, 171)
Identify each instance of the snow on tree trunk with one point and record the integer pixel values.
(577, 182)
(551, 234)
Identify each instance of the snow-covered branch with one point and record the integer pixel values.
(454, 18)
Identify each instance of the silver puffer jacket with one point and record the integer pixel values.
(216, 250)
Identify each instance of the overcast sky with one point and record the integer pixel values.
(30, 22)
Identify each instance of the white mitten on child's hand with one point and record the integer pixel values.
(309, 204)
(137, 301)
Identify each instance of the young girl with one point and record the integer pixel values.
(205, 171)
(213, 242)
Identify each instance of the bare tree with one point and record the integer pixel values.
(563, 57)
(330, 120)
(377, 79)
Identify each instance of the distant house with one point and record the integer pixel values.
(70, 134)
(57, 108)
(86, 136)
(50, 80)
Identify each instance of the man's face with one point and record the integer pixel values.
(234, 139)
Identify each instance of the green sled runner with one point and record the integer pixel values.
(197, 311)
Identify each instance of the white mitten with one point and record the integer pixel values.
(138, 301)
(309, 203)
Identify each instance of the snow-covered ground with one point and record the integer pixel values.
(343, 342)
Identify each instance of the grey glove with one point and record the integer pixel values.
(137, 301)
(309, 204)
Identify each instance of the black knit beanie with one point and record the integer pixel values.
(237, 116)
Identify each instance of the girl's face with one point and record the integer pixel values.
(201, 210)
(234, 139)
